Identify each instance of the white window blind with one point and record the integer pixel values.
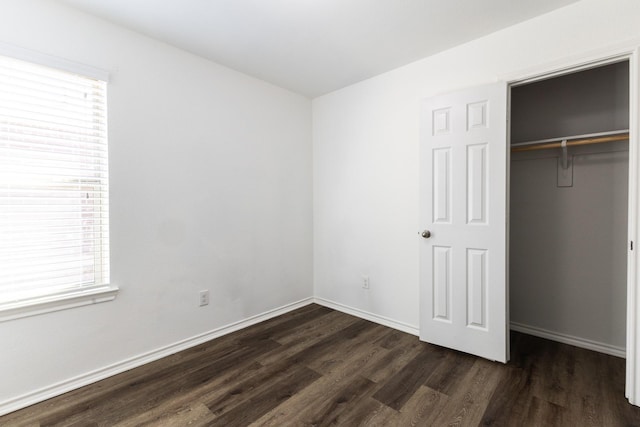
(54, 206)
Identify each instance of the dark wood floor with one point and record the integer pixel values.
(316, 366)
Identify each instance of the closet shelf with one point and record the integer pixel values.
(570, 141)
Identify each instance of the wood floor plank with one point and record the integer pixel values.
(367, 412)
(278, 327)
(392, 339)
(333, 408)
(423, 408)
(585, 394)
(331, 383)
(196, 415)
(399, 389)
(559, 376)
(307, 335)
(509, 404)
(330, 361)
(317, 366)
(543, 413)
(320, 327)
(260, 383)
(447, 376)
(260, 403)
(321, 355)
(467, 404)
(206, 391)
(395, 360)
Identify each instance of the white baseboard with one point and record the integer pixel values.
(569, 339)
(404, 327)
(134, 362)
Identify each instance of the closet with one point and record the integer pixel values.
(568, 207)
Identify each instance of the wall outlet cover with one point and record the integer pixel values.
(204, 298)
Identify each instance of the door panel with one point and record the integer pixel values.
(463, 206)
(442, 186)
(442, 283)
(477, 184)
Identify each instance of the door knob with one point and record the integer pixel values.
(426, 234)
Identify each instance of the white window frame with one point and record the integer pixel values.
(11, 309)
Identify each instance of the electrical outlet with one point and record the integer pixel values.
(365, 282)
(204, 298)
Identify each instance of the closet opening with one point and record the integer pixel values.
(569, 207)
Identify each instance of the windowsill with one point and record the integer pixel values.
(62, 301)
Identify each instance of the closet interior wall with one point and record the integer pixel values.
(567, 267)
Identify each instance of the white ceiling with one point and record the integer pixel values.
(315, 46)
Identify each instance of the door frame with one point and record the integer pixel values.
(631, 52)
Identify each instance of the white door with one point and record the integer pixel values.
(463, 194)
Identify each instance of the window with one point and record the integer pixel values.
(54, 205)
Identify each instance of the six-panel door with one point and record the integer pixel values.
(463, 206)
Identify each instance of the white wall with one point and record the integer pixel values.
(365, 153)
(589, 101)
(568, 265)
(210, 189)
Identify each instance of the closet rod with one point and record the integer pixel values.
(575, 142)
